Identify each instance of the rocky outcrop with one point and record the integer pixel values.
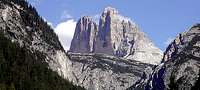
(180, 69)
(113, 55)
(105, 72)
(84, 36)
(116, 35)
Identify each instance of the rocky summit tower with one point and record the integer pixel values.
(115, 35)
(84, 36)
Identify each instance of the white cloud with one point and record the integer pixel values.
(168, 41)
(65, 31)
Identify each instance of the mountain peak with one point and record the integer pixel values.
(114, 14)
(110, 10)
(84, 35)
(86, 18)
(115, 35)
(195, 28)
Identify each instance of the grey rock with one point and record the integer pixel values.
(84, 36)
(180, 69)
(105, 72)
(116, 35)
(111, 56)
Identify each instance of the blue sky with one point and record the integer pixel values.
(161, 20)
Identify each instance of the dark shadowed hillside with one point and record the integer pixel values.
(21, 69)
(29, 50)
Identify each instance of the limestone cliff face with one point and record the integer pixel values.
(118, 36)
(113, 55)
(121, 37)
(180, 69)
(84, 36)
(105, 72)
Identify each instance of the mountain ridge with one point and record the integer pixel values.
(30, 53)
(180, 68)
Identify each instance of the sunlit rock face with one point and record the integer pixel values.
(116, 35)
(180, 69)
(105, 72)
(182, 61)
(113, 55)
(84, 36)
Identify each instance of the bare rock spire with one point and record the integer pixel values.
(116, 35)
(84, 36)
